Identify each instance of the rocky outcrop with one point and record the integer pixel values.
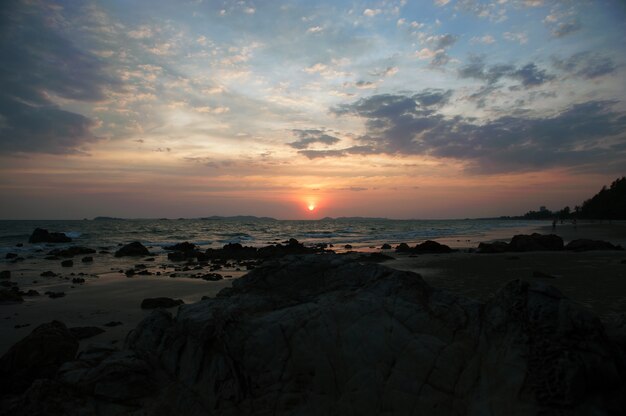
(524, 242)
(39, 355)
(313, 335)
(588, 245)
(132, 249)
(41, 235)
(427, 247)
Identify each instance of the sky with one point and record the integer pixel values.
(302, 109)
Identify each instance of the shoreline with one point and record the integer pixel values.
(594, 279)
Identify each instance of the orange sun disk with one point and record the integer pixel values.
(311, 207)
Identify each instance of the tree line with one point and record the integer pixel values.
(608, 204)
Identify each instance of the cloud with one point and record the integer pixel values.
(566, 28)
(487, 39)
(577, 137)
(311, 136)
(436, 52)
(371, 12)
(529, 75)
(36, 64)
(519, 37)
(585, 65)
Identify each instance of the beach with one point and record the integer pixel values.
(595, 279)
(264, 306)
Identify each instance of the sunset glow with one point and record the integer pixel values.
(428, 109)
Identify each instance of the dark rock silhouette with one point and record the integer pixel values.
(524, 242)
(67, 263)
(153, 303)
(316, 335)
(41, 235)
(132, 249)
(5, 274)
(39, 355)
(426, 247)
(588, 245)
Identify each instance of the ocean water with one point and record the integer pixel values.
(360, 233)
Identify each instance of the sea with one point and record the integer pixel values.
(360, 233)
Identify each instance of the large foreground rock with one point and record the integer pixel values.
(314, 335)
(132, 249)
(41, 235)
(38, 355)
(524, 242)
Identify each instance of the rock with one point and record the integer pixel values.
(5, 274)
(495, 247)
(385, 247)
(588, 245)
(41, 235)
(37, 356)
(179, 256)
(54, 295)
(130, 272)
(78, 280)
(10, 296)
(153, 303)
(403, 248)
(315, 334)
(234, 251)
(542, 275)
(348, 246)
(447, 354)
(9, 256)
(71, 251)
(132, 249)
(48, 273)
(67, 263)
(430, 246)
(87, 259)
(31, 292)
(19, 245)
(111, 324)
(84, 332)
(536, 242)
(212, 277)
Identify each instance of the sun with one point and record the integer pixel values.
(311, 207)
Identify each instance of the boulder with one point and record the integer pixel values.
(360, 338)
(385, 247)
(430, 246)
(588, 245)
(87, 259)
(314, 334)
(234, 251)
(5, 274)
(495, 247)
(153, 303)
(536, 242)
(38, 355)
(48, 273)
(67, 263)
(41, 235)
(132, 249)
(403, 248)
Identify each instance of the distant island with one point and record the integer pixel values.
(608, 204)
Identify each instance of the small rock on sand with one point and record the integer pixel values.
(163, 302)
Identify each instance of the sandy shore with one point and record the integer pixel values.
(595, 279)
